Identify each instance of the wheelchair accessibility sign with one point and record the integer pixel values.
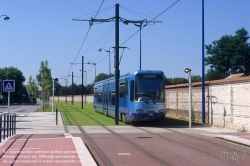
(8, 85)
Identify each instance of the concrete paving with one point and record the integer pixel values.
(37, 131)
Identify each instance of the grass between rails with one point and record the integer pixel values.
(84, 117)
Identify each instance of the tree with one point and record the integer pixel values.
(32, 86)
(57, 87)
(44, 80)
(195, 78)
(229, 54)
(12, 73)
(101, 76)
(176, 80)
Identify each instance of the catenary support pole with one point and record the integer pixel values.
(203, 68)
(117, 71)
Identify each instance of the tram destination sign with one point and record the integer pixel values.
(149, 76)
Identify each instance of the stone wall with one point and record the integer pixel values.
(227, 102)
(77, 98)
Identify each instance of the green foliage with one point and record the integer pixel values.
(101, 76)
(57, 87)
(176, 80)
(12, 73)
(44, 80)
(195, 78)
(32, 87)
(229, 54)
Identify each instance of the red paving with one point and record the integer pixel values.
(39, 151)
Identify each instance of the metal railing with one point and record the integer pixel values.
(7, 125)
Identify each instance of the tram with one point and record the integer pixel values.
(141, 96)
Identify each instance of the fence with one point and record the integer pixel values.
(7, 125)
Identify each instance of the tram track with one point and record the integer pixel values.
(194, 146)
(197, 147)
(98, 151)
(138, 148)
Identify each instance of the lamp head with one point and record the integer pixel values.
(6, 18)
(187, 70)
(100, 49)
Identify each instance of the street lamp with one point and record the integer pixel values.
(55, 79)
(66, 87)
(6, 18)
(138, 24)
(109, 57)
(82, 86)
(187, 70)
(85, 85)
(119, 61)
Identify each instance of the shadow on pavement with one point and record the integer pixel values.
(168, 122)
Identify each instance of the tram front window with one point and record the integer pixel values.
(149, 88)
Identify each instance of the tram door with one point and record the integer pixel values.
(106, 98)
(123, 96)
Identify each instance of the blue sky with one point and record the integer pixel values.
(44, 30)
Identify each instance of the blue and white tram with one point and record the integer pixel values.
(141, 96)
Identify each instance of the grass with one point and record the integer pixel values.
(85, 117)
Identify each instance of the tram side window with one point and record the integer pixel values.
(113, 97)
(132, 92)
(99, 98)
(122, 89)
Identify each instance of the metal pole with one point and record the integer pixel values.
(66, 89)
(53, 97)
(95, 71)
(190, 99)
(56, 115)
(8, 102)
(203, 68)
(4, 126)
(82, 80)
(109, 63)
(72, 89)
(8, 125)
(85, 85)
(140, 45)
(117, 71)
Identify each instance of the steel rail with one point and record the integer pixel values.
(102, 156)
(127, 141)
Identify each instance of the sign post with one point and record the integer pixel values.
(8, 86)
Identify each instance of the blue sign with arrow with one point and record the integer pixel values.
(8, 85)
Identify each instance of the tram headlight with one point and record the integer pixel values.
(161, 110)
(138, 110)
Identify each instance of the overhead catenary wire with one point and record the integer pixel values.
(150, 21)
(101, 11)
(110, 29)
(134, 12)
(84, 39)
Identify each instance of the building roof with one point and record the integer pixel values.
(228, 80)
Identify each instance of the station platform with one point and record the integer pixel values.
(40, 141)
